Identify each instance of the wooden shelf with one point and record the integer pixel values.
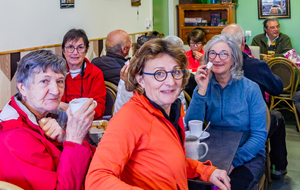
(227, 11)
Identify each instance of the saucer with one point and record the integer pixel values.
(204, 135)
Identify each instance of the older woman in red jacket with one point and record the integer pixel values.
(35, 152)
(143, 146)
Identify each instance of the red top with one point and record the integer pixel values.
(93, 87)
(32, 161)
(193, 63)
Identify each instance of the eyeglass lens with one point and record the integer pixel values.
(71, 49)
(222, 55)
(161, 75)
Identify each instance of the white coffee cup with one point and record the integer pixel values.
(192, 148)
(196, 127)
(75, 104)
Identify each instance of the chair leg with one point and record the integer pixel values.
(268, 162)
(296, 116)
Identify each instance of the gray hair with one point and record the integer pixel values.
(237, 57)
(265, 23)
(115, 49)
(175, 40)
(235, 31)
(37, 61)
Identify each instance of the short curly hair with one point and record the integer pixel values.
(153, 49)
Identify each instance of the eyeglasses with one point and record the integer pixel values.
(223, 55)
(195, 44)
(71, 49)
(161, 75)
(273, 27)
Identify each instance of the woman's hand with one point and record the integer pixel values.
(198, 56)
(52, 129)
(124, 73)
(63, 106)
(80, 122)
(220, 179)
(202, 79)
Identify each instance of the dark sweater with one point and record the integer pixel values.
(111, 65)
(259, 71)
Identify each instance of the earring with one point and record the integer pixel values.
(23, 98)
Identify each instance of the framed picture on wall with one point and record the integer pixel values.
(274, 8)
(66, 4)
(135, 2)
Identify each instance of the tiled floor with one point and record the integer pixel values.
(291, 180)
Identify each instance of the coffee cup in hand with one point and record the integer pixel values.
(75, 104)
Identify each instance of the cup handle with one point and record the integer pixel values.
(206, 150)
(95, 103)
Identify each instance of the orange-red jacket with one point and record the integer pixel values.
(92, 85)
(141, 149)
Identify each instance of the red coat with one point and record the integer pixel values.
(193, 63)
(93, 87)
(31, 161)
(142, 149)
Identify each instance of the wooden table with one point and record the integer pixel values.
(222, 146)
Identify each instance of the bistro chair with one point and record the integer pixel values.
(289, 74)
(111, 95)
(187, 99)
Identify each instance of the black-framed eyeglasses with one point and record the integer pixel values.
(71, 49)
(161, 75)
(223, 55)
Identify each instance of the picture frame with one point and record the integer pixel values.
(64, 4)
(135, 2)
(273, 8)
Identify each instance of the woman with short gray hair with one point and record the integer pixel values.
(36, 153)
(232, 102)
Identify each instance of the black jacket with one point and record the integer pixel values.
(111, 65)
(259, 71)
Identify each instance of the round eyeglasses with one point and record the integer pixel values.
(161, 75)
(223, 55)
(71, 49)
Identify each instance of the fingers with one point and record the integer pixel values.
(220, 179)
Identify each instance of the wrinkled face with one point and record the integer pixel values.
(273, 29)
(221, 64)
(162, 93)
(196, 46)
(45, 91)
(75, 59)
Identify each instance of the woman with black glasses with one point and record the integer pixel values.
(143, 146)
(84, 80)
(230, 101)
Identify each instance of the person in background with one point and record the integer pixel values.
(258, 71)
(117, 48)
(36, 153)
(272, 43)
(83, 78)
(196, 41)
(149, 152)
(230, 101)
(123, 95)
